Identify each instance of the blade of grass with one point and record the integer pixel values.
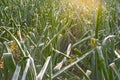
(99, 20)
(61, 53)
(72, 64)
(26, 69)
(9, 65)
(84, 39)
(21, 49)
(106, 38)
(68, 24)
(42, 72)
(16, 73)
(31, 41)
(33, 67)
(59, 65)
(102, 63)
(82, 71)
(116, 71)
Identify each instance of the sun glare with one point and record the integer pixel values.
(91, 4)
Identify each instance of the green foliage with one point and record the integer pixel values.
(59, 40)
